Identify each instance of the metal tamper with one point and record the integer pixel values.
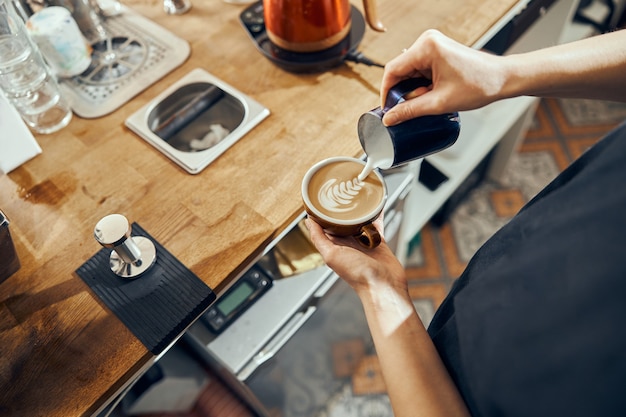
(131, 255)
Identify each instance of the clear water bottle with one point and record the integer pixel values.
(25, 80)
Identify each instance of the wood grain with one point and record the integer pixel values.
(62, 352)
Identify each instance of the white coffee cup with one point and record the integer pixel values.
(60, 40)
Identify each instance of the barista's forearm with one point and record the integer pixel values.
(590, 68)
(417, 382)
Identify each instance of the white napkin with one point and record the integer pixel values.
(17, 144)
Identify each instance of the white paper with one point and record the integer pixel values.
(17, 144)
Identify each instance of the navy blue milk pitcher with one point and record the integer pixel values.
(389, 147)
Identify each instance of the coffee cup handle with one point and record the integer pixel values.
(397, 92)
(369, 236)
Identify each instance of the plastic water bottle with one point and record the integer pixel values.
(24, 78)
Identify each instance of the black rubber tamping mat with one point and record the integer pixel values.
(156, 306)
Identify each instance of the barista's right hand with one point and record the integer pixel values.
(462, 78)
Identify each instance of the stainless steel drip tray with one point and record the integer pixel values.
(196, 119)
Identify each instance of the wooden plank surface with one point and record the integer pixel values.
(63, 352)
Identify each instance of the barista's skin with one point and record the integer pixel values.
(463, 79)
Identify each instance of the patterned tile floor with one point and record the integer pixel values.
(561, 131)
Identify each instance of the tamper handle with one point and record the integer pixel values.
(112, 230)
(131, 256)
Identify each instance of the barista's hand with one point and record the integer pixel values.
(361, 268)
(462, 78)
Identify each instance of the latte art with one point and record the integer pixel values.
(339, 196)
(345, 198)
(335, 190)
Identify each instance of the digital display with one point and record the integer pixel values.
(235, 298)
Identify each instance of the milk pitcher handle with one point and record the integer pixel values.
(397, 92)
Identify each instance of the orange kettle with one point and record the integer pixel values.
(312, 25)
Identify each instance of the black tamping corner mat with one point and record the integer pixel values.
(156, 306)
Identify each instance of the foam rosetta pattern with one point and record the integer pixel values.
(339, 196)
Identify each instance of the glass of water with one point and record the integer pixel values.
(25, 80)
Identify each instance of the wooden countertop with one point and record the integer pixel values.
(63, 352)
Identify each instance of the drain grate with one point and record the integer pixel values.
(114, 59)
(136, 54)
